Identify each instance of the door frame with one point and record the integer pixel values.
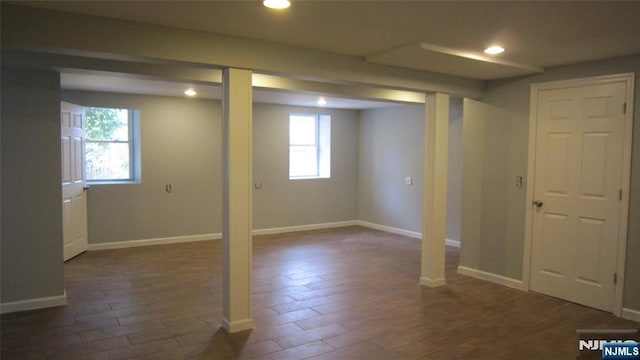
(628, 79)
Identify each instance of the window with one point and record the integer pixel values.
(309, 146)
(110, 150)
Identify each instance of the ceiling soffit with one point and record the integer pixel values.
(427, 57)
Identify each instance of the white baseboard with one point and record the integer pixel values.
(268, 231)
(453, 243)
(33, 304)
(630, 314)
(409, 233)
(216, 236)
(154, 241)
(236, 326)
(287, 229)
(389, 229)
(431, 282)
(494, 278)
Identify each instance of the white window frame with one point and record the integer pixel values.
(133, 128)
(322, 146)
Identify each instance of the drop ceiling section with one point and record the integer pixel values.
(427, 57)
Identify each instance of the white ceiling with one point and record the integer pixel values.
(536, 34)
(437, 36)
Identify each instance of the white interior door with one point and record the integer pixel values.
(74, 199)
(577, 193)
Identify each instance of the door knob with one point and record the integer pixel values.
(538, 203)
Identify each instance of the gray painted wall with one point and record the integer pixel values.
(454, 182)
(392, 148)
(31, 193)
(283, 202)
(496, 151)
(473, 135)
(490, 198)
(180, 145)
(182, 137)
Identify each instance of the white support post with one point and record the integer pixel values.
(237, 192)
(435, 190)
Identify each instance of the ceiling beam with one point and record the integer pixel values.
(103, 38)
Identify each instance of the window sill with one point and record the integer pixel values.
(113, 182)
(309, 177)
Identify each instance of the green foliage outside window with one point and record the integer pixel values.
(102, 123)
(108, 146)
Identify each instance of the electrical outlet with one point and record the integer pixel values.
(518, 182)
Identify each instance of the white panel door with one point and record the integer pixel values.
(578, 177)
(74, 199)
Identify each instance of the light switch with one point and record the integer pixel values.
(408, 180)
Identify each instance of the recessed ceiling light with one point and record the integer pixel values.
(276, 4)
(494, 50)
(321, 101)
(190, 92)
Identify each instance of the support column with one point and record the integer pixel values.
(236, 208)
(435, 190)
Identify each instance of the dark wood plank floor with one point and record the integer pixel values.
(349, 293)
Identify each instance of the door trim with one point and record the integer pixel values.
(628, 79)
